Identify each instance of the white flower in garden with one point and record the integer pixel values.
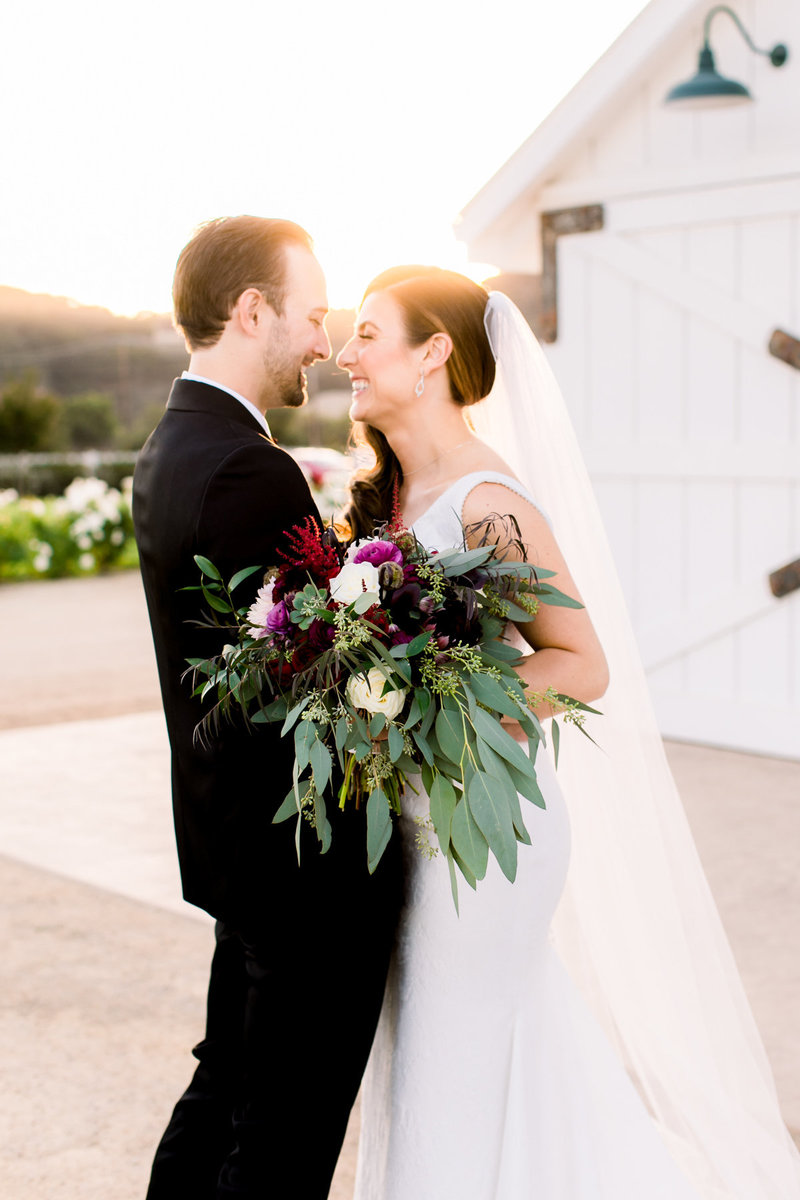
(259, 611)
(366, 691)
(83, 492)
(43, 558)
(117, 537)
(42, 552)
(353, 580)
(86, 562)
(84, 541)
(8, 496)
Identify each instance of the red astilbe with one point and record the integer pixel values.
(307, 557)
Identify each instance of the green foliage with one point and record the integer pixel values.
(87, 530)
(28, 417)
(89, 421)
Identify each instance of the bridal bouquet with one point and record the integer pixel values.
(390, 661)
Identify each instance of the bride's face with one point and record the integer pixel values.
(383, 367)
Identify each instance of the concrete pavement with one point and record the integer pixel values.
(104, 968)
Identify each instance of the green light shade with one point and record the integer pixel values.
(708, 89)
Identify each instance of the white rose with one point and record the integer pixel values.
(353, 580)
(365, 691)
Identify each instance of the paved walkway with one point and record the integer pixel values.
(104, 967)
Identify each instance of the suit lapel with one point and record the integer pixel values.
(188, 395)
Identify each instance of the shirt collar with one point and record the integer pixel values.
(251, 408)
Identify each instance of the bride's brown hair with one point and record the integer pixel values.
(432, 301)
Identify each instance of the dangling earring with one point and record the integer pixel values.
(420, 388)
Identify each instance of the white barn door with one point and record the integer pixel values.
(691, 432)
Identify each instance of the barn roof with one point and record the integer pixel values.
(652, 34)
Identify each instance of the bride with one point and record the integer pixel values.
(636, 1073)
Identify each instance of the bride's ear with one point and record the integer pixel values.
(438, 350)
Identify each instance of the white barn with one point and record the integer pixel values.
(669, 248)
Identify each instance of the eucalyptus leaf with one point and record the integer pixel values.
(489, 805)
(461, 561)
(497, 651)
(414, 713)
(450, 734)
(287, 809)
(293, 714)
(379, 827)
(515, 612)
(463, 868)
(451, 866)
(422, 744)
(418, 644)
(377, 724)
(443, 798)
(501, 741)
(552, 596)
(556, 735)
(304, 737)
(492, 693)
(468, 842)
(341, 732)
(323, 825)
(524, 782)
(364, 602)
(321, 764)
(396, 743)
(428, 711)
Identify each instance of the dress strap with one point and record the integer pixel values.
(457, 494)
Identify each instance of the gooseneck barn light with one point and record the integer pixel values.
(709, 89)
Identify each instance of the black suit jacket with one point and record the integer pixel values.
(209, 481)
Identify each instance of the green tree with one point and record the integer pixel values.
(89, 421)
(28, 416)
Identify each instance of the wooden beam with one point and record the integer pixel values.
(556, 224)
(786, 348)
(785, 579)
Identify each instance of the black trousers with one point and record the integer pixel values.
(292, 1010)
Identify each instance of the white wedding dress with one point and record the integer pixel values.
(489, 1078)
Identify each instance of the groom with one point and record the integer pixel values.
(301, 952)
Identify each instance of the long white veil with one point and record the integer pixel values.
(637, 927)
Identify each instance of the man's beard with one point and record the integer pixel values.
(286, 380)
(292, 391)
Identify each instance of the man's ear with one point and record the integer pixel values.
(438, 349)
(250, 311)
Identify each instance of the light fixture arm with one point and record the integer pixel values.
(777, 55)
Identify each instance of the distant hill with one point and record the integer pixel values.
(75, 348)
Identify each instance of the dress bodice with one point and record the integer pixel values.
(440, 526)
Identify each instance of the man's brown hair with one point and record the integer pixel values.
(225, 258)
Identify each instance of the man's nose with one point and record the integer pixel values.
(322, 350)
(344, 358)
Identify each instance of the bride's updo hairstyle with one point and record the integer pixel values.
(432, 301)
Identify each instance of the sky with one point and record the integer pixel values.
(372, 124)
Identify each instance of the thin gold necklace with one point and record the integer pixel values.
(444, 454)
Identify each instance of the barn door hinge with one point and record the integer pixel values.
(556, 224)
(786, 348)
(785, 579)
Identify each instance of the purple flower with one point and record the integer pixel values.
(398, 636)
(378, 552)
(278, 621)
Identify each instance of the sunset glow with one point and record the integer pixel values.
(370, 125)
